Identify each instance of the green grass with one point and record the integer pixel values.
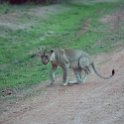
(64, 29)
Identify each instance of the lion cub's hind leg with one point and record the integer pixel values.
(84, 77)
(78, 78)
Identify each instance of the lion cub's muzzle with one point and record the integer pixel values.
(45, 60)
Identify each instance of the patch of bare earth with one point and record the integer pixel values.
(97, 101)
(116, 20)
(46, 10)
(12, 20)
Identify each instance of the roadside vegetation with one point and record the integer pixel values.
(26, 29)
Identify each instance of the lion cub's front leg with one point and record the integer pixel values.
(65, 73)
(52, 73)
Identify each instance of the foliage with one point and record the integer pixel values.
(29, 1)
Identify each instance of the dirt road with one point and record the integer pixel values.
(95, 102)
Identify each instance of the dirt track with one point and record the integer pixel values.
(95, 102)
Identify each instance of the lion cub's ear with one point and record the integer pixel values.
(51, 51)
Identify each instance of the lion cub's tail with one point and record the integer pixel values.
(94, 68)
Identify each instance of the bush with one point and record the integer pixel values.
(17, 1)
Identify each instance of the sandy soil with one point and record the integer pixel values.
(97, 101)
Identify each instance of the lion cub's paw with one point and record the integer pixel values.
(65, 84)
